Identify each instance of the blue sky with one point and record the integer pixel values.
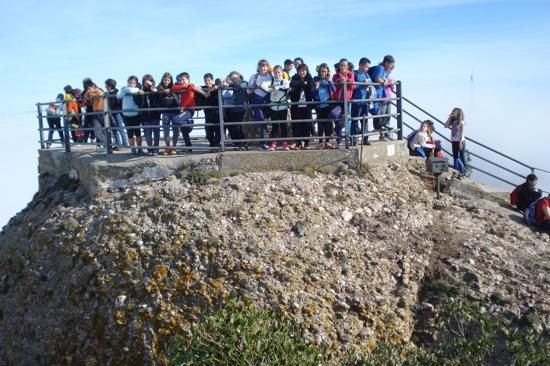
(438, 45)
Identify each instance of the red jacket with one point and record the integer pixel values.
(339, 78)
(186, 94)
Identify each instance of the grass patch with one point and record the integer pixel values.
(240, 334)
(201, 177)
(465, 334)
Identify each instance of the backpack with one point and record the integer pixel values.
(279, 96)
(529, 215)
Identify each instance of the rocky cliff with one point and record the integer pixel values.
(107, 279)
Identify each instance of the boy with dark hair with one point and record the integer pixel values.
(360, 109)
(187, 95)
(117, 121)
(94, 111)
(211, 115)
(297, 62)
(287, 68)
(525, 194)
(380, 74)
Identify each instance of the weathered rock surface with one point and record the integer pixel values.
(106, 280)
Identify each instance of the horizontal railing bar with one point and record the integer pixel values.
(470, 139)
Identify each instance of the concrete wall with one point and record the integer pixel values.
(98, 172)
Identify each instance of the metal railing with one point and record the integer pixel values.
(497, 167)
(107, 116)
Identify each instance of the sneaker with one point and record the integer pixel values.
(339, 145)
(322, 146)
(155, 153)
(150, 153)
(328, 145)
(273, 147)
(286, 148)
(264, 147)
(172, 152)
(382, 138)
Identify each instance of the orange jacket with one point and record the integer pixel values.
(95, 98)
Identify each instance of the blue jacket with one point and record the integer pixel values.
(325, 91)
(129, 105)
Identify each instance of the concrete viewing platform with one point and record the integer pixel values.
(97, 172)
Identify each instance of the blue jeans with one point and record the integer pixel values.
(152, 134)
(119, 130)
(166, 122)
(359, 110)
(180, 125)
(459, 161)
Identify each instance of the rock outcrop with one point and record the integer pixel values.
(107, 279)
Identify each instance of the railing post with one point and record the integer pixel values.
(40, 125)
(107, 123)
(66, 134)
(399, 94)
(220, 116)
(346, 111)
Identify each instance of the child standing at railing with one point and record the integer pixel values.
(95, 112)
(131, 113)
(301, 90)
(150, 118)
(455, 123)
(211, 115)
(235, 92)
(183, 122)
(117, 121)
(323, 90)
(360, 109)
(344, 75)
(259, 91)
(279, 95)
(169, 100)
(54, 113)
(380, 74)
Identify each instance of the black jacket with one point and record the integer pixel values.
(526, 196)
(149, 100)
(296, 87)
(115, 104)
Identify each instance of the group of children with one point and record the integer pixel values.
(271, 96)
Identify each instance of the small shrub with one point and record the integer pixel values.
(201, 177)
(239, 334)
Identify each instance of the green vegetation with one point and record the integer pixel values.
(240, 334)
(201, 177)
(464, 334)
